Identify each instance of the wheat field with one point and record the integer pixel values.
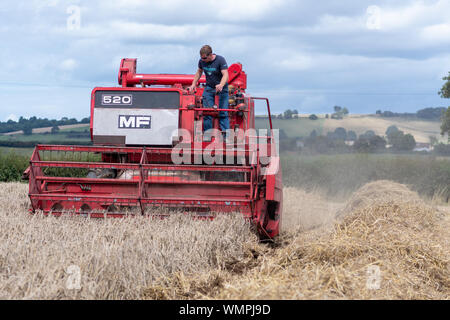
(384, 242)
(420, 129)
(116, 258)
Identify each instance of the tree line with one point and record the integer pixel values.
(425, 114)
(27, 125)
(342, 141)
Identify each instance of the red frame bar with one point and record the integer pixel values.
(268, 108)
(212, 109)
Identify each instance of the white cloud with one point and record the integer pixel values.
(437, 33)
(41, 4)
(148, 31)
(12, 117)
(311, 45)
(330, 24)
(419, 13)
(247, 10)
(408, 19)
(68, 64)
(206, 10)
(296, 62)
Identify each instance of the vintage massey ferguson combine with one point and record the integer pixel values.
(149, 150)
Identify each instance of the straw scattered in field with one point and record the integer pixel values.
(383, 243)
(386, 245)
(306, 210)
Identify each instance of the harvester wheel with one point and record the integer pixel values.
(85, 208)
(112, 208)
(56, 207)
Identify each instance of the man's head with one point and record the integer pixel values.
(206, 53)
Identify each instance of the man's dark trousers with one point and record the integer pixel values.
(208, 102)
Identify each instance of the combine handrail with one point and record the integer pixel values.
(268, 108)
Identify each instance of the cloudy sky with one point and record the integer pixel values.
(308, 55)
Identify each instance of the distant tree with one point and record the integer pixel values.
(55, 129)
(377, 143)
(408, 142)
(339, 112)
(337, 109)
(72, 121)
(361, 145)
(288, 114)
(430, 113)
(445, 90)
(367, 135)
(378, 112)
(394, 138)
(340, 133)
(327, 116)
(351, 135)
(401, 141)
(370, 144)
(313, 117)
(433, 140)
(27, 129)
(445, 93)
(391, 129)
(295, 112)
(330, 135)
(85, 120)
(442, 149)
(445, 126)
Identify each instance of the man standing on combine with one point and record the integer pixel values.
(216, 72)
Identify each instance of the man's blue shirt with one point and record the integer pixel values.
(213, 70)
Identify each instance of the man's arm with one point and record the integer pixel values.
(197, 76)
(224, 80)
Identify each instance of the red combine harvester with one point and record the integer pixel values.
(149, 151)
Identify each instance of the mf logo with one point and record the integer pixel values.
(134, 122)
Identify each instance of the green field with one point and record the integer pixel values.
(339, 175)
(41, 137)
(19, 151)
(80, 129)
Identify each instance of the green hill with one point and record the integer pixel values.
(301, 127)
